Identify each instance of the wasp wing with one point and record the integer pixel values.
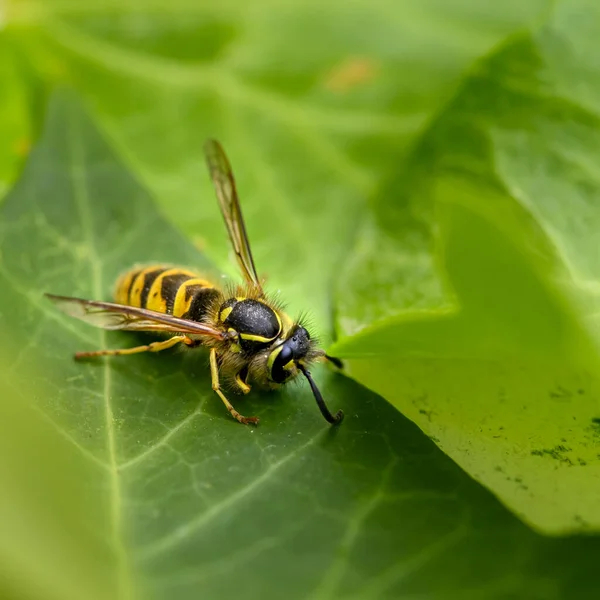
(224, 183)
(109, 315)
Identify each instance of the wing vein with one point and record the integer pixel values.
(229, 203)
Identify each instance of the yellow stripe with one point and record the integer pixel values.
(122, 286)
(135, 295)
(225, 313)
(287, 322)
(155, 300)
(273, 356)
(182, 304)
(256, 338)
(278, 321)
(276, 315)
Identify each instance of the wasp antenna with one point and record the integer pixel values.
(335, 361)
(334, 420)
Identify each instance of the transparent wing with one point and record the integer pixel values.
(224, 183)
(108, 315)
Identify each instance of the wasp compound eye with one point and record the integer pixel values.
(285, 354)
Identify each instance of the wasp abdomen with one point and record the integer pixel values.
(170, 290)
(195, 300)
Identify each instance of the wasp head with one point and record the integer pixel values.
(292, 356)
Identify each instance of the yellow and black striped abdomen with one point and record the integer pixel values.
(171, 290)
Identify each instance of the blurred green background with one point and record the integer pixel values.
(421, 177)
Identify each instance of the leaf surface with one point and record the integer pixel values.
(313, 108)
(15, 117)
(334, 150)
(501, 195)
(370, 510)
(468, 299)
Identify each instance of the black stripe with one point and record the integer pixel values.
(131, 282)
(169, 287)
(149, 279)
(202, 302)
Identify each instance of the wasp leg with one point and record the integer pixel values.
(153, 347)
(239, 379)
(214, 371)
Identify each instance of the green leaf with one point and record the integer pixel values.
(46, 505)
(15, 119)
(313, 108)
(474, 295)
(320, 133)
(191, 502)
(494, 243)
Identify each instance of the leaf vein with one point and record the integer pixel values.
(185, 530)
(82, 201)
(164, 441)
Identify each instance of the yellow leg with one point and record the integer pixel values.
(242, 384)
(214, 371)
(153, 347)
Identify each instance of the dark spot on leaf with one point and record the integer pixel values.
(594, 430)
(560, 393)
(557, 453)
(427, 413)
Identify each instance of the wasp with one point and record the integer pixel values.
(251, 340)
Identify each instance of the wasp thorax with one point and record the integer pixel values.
(256, 323)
